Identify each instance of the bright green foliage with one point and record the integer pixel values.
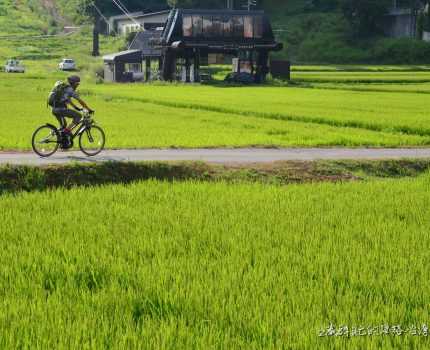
(199, 265)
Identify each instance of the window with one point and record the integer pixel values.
(187, 26)
(248, 27)
(238, 26)
(207, 26)
(227, 24)
(258, 27)
(217, 27)
(197, 26)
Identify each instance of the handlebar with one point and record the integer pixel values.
(87, 113)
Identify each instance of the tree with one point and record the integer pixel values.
(325, 5)
(364, 15)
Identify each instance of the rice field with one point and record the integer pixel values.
(180, 265)
(365, 110)
(200, 265)
(174, 115)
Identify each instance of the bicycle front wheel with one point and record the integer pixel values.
(45, 141)
(92, 141)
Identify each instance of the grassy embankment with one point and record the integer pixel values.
(26, 178)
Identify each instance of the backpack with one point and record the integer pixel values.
(57, 93)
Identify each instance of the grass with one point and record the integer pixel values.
(203, 265)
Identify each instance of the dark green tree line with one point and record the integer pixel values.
(364, 15)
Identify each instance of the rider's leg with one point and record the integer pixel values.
(70, 113)
(57, 112)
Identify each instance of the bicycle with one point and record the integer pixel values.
(47, 138)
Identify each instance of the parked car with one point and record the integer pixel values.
(14, 66)
(67, 64)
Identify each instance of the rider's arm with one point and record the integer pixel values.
(83, 104)
(75, 107)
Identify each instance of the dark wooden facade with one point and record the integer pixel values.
(189, 36)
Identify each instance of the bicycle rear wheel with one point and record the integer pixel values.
(92, 141)
(45, 141)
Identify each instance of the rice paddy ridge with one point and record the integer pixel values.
(406, 88)
(390, 77)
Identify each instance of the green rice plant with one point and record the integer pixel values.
(365, 110)
(204, 265)
(421, 88)
(178, 115)
(360, 68)
(136, 124)
(363, 77)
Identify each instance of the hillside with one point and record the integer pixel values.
(311, 34)
(32, 30)
(322, 34)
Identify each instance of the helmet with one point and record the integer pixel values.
(73, 79)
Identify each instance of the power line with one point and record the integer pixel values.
(104, 18)
(123, 6)
(126, 13)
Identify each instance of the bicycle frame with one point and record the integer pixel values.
(82, 126)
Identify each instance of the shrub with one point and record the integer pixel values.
(401, 51)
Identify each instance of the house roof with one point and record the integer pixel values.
(131, 14)
(128, 56)
(137, 15)
(144, 41)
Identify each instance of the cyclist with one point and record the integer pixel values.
(61, 109)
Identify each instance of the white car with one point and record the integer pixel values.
(67, 64)
(14, 66)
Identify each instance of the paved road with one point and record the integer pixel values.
(224, 155)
